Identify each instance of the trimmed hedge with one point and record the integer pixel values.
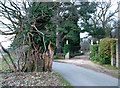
(94, 52)
(105, 47)
(113, 46)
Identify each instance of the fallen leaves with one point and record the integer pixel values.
(33, 79)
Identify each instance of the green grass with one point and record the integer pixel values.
(58, 57)
(4, 67)
(62, 80)
(106, 65)
(3, 54)
(110, 66)
(76, 54)
(113, 70)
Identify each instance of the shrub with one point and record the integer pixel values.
(56, 57)
(94, 52)
(106, 45)
(66, 48)
(113, 46)
(76, 54)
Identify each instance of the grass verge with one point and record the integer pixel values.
(62, 80)
(112, 70)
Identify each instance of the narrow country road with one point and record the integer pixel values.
(78, 76)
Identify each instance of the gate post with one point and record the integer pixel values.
(118, 41)
(67, 56)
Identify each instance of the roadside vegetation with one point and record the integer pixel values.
(7, 78)
(105, 52)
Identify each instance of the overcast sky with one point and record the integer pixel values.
(6, 42)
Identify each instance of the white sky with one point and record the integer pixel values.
(6, 42)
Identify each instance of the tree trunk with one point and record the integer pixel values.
(58, 42)
(34, 62)
(38, 62)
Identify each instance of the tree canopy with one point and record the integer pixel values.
(39, 27)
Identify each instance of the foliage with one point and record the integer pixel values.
(113, 46)
(97, 32)
(68, 27)
(58, 57)
(76, 54)
(99, 24)
(66, 48)
(86, 11)
(31, 24)
(106, 45)
(94, 52)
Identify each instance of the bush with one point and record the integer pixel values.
(76, 54)
(66, 48)
(94, 52)
(106, 45)
(113, 46)
(56, 57)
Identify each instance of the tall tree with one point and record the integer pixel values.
(68, 15)
(68, 27)
(32, 26)
(101, 19)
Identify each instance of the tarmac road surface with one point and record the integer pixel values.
(79, 76)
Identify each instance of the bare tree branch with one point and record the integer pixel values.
(9, 56)
(3, 33)
(5, 60)
(42, 34)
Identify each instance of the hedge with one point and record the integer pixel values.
(94, 52)
(105, 47)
